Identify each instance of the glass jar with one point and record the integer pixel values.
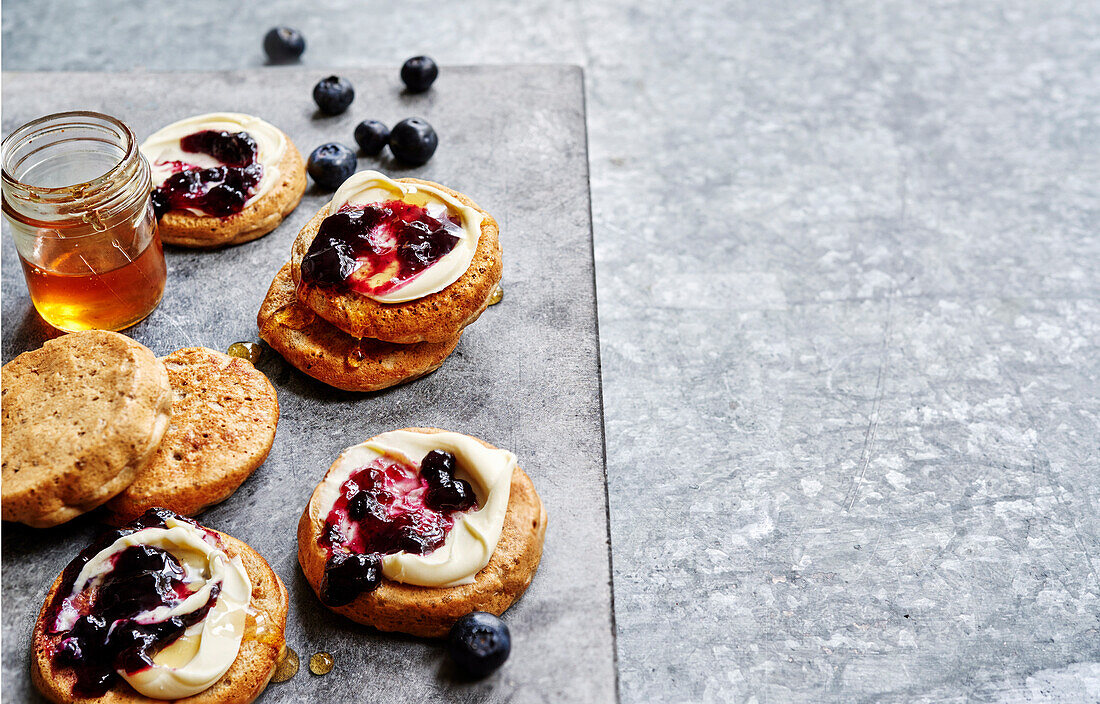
(76, 192)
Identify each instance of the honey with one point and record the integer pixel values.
(496, 296)
(104, 290)
(287, 667)
(321, 663)
(76, 192)
(355, 355)
(294, 316)
(245, 350)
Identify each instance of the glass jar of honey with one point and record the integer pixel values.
(76, 192)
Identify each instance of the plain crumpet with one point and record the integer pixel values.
(82, 416)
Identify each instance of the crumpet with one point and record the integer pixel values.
(331, 356)
(436, 317)
(224, 413)
(431, 611)
(82, 416)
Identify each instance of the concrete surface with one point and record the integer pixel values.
(525, 376)
(847, 264)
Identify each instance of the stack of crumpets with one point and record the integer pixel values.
(381, 282)
(93, 418)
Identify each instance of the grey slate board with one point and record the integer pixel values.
(524, 377)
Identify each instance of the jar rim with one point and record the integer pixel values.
(130, 148)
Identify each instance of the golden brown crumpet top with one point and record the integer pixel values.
(82, 416)
(224, 413)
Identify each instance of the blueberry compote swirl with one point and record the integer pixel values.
(378, 248)
(110, 634)
(384, 508)
(221, 190)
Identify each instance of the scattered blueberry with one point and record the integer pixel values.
(330, 165)
(283, 44)
(371, 136)
(413, 141)
(419, 73)
(333, 95)
(479, 643)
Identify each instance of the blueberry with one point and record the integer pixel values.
(458, 495)
(160, 203)
(419, 73)
(371, 136)
(357, 506)
(436, 464)
(329, 263)
(333, 95)
(283, 44)
(413, 141)
(330, 165)
(234, 149)
(347, 576)
(155, 517)
(223, 200)
(479, 643)
(445, 493)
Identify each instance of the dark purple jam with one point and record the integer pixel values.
(106, 637)
(385, 508)
(378, 248)
(221, 190)
(230, 148)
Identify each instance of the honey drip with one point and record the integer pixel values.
(321, 663)
(245, 350)
(356, 355)
(294, 316)
(287, 667)
(496, 296)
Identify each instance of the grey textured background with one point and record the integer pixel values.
(524, 377)
(847, 265)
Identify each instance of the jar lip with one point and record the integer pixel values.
(130, 150)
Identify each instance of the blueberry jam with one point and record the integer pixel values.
(106, 636)
(221, 190)
(378, 248)
(385, 508)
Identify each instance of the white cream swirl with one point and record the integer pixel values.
(366, 187)
(206, 650)
(162, 148)
(473, 538)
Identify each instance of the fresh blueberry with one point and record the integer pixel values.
(283, 44)
(330, 165)
(479, 643)
(333, 95)
(419, 73)
(371, 136)
(413, 141)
